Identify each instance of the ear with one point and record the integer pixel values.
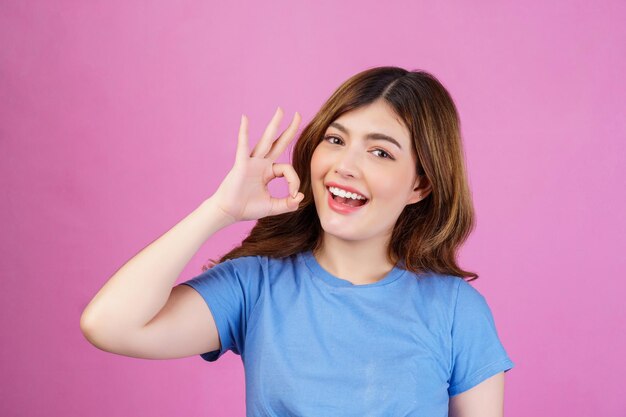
(421, 189)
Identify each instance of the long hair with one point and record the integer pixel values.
(427, 234)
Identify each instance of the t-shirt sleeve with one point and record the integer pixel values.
(477, 352)
(231, 290)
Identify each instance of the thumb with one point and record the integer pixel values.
(287, 204)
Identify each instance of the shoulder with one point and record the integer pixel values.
(243, 267)
(450, 288)
(437, 286)
(451, 297)
(434, 295)
(243, 272)
(262, 267)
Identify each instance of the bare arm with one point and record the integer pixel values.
(142, 286)
(137, 312)
(484, 400)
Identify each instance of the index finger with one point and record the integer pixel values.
(281, 143)
(242, 142)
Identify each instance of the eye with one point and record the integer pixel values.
(385, 155)
(332, 137)
(383, 152)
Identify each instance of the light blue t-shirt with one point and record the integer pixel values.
(313, 344)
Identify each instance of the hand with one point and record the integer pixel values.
(243, 194)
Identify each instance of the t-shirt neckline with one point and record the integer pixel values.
(318, 271)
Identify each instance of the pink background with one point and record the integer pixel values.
(118, 118)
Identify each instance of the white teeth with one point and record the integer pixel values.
(345, 194)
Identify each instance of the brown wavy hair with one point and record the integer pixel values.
(427, 234)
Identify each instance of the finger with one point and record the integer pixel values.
(260, 150)
(281, 143)
(287, 171)
(242, 142)
(284, 205)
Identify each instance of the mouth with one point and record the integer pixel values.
(344, 205)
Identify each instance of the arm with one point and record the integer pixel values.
(137, 312)
(139, 290)
(484, 400)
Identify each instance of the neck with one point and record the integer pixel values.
(361, 262)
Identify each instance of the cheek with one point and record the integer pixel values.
(317, 164)
(391, 188)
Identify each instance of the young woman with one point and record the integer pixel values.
(346, 298)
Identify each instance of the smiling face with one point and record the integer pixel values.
(358, 151)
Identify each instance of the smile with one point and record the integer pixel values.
(344, 205)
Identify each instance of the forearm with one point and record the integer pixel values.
(141, 287)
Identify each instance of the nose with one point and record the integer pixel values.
(348, 162)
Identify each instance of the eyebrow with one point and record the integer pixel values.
(369, 136)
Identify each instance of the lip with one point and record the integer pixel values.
(341, 208)
(345, 187)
